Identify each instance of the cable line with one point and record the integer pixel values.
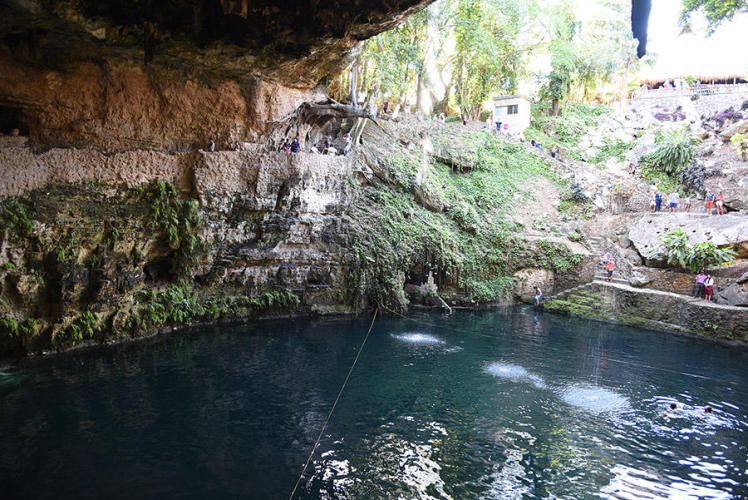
(329, 415)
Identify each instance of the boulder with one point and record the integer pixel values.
(740, 127)
(733, 182)
(639, 279)
(735, 294)
(646, 144)
(721, 231)
(527, 279)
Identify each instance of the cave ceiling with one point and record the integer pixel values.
(294, 42)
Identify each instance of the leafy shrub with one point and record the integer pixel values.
(178, 221)
(675, 151)
(699, 256)
(14, 328)
(676, 247)
(692, 177)
(178, 305)
(738, 140)
(705, 254)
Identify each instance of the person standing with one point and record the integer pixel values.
(720, 203)
(700, 278)
(673, 207)
(348, 143)
(687, 202)
(295, 145)
(658, 201)
(709, 202)
(708, 287)
(610, 267)
(211, 146)
(538, 296)
(605, 259)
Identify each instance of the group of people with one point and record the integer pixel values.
(704, 288)
(673, 201)
(325, 148)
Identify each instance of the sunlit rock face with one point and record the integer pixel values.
(170, 75)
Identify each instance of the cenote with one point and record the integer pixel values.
(499, 404)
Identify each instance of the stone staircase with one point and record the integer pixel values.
(595, 245)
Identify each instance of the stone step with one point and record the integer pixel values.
(613, 280)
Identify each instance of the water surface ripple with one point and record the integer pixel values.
(499, 404)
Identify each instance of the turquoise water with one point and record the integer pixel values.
(499, 404)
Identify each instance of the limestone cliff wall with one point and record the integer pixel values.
(89, 237)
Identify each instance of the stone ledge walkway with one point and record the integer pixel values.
(684, 298)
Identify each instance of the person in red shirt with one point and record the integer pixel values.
(611, 265)
(720, 204)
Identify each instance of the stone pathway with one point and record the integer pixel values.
(684, 298)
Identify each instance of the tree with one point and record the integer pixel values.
(715, 11)
(486, 51)
(397, 57)
(563, 57)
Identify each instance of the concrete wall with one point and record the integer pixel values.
(517, 122)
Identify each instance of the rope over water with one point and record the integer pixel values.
(329, 415)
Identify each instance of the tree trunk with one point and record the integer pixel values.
(352, 73)
(554, 107)
(358, 127)
(419, 92)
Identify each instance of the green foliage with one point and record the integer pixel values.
(178, 221)
(83, 328)
(656, 176)
(738, 140)
(397, 56)
(699, 256)
(17, 217)
(486, 61)
(612, 149)
(675, 151)
(676, 247)
(565, 132)
(179, 305)
(715, 11)
(7, 266)
(18, 329)
(472, 245)
(112, 238)
(705, 254)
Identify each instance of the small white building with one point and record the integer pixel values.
(513, 111)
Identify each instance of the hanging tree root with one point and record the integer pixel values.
(314, 115)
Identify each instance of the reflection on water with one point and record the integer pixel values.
(499, 404)
(637, 484)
